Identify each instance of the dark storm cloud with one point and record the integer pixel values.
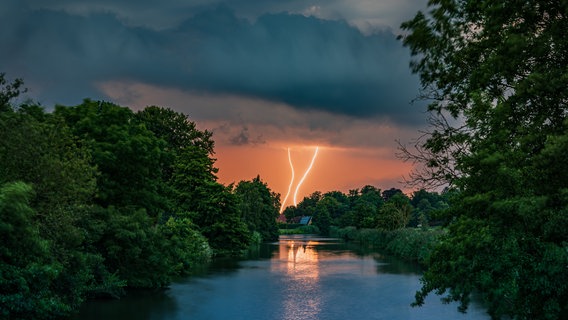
(158, 14)
(65, 56)
(243, 138)
(306, 62)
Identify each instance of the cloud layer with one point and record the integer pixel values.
(306, 62)
(264, 76)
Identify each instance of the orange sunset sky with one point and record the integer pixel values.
(334, 168)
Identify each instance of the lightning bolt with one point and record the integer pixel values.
(301, 180)
(305, 175)
(291, 182)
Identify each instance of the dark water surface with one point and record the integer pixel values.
(299, 277)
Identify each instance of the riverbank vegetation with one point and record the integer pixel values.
(97, 198)
(409, 244)
(494, 74)
(405, 226)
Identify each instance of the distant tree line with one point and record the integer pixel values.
(370, 207)
(96, 198)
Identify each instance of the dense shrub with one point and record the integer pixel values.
(411, 244)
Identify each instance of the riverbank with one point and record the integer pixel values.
(409, 244)
(310, 229)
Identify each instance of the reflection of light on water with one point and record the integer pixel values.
(299, 264)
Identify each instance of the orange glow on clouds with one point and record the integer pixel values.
(336, 169)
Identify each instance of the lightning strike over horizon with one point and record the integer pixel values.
(305, 175)
(291, 182)
(293, 177)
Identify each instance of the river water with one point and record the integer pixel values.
(299, 277)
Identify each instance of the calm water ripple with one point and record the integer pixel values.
(297, 278)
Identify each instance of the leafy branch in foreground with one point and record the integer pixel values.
(498, 91)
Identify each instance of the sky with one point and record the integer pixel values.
(264, 76)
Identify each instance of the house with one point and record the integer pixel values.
(306, 220)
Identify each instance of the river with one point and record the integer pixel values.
(299, 277)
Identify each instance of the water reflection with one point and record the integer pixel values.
(137, 304)
(388, 264)
(298, 263)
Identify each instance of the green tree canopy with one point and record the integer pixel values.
(27, 272)
(259, 207)
(323, 213)
(127, 155)
(9, 91)
(94, 198)
(175, 128)
(210, 205)
(338, 206)
(178, 132)
(365, 205)
(38, 149)
(496, 78)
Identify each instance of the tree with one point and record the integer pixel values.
(395, 213)
(27, 269)
(175, 128)
(494, 73)
(219, 220)
(133, 247)
(210, 205)
(185, 246)
(338, 206)
(127, 155)
(44, 153)
(193, 171)
(259, 206)
(92, 200)
(306, 207)
(38, 149)
(177, 131)
(387, 194)
(427, 207)
(365, 207)
(290, 213)
(322, 217)
(9, 91)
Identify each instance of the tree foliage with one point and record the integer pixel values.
(258, 206)
(212, 206)
(38, 149)
(175, 128)
(395, 213)
(9, 91)
(494, 73)
(369, 208)
(126, 154)
(27, 269)
(95, 198)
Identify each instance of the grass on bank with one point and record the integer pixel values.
(302, 229)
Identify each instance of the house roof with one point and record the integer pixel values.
(306, 220)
